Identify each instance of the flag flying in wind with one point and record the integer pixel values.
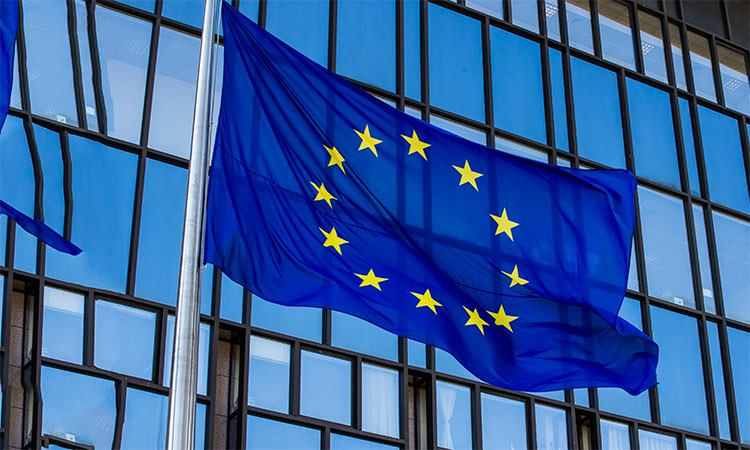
(322, 195)
(8, 28)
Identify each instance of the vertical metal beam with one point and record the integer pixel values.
(182, 395)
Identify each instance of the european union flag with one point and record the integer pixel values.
(322, 195)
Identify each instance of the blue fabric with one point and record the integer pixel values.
(39, 229)
(8, 27)
(572, 241)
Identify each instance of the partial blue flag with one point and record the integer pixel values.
(322, 195)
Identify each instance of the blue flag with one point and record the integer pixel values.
(322, 195)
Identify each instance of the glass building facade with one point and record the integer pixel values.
(96, 144)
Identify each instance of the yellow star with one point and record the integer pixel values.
(514, 278)
(368, 141)
(333, 239)
(467, 175)
(503, 319)
(336, 158)
(474, 319)
(426, 300)
(323, 194)
(415, 145)
(504, 225)
(371, 280)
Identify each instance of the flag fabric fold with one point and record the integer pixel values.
(322, 195)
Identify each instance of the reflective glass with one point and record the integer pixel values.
(124, 44)
(615, 33)
(503, 423)
(62, 327)
(615, 435)
(366, 49)
(15, 91)
(649, 440)
(732, 244)
(492, 8)
(697, 445)
(517, 86)
(666, 247)
(207, 288)
(268, 385)
(124, 339)
(48, 60)
(700, 61)
(717, 371)
(341, 442)
(551, 428)
(578, 15)
(739, 355)
(734, 79)
(654, 146)
(738, 12)
(174, 92)
(559, 108)
(145, 424)
(686, 123)
(160, 238)
(459, 129)
(380, 406)
(517, 149)
(147, 5)
(704, 264)
(300, 321)
(103, 191)
(232, 297)
(597, 114)
(303, 24)
(453, 416)
(652, 46)
(353, 333)
(525, 14)
(50, 154)
(679, 371)
(677, 58)
(446, 363)
(249, 8)
(86, 70)
(204, 341)
(86, 419)
(267, 434)
(325, 387)
(581, 397)
(722, 151)
(633, 283)
(456, 76)
(616, 400)
(705, 14)
(417, 353)
(186, 11)
(413, 49)
(552, 15)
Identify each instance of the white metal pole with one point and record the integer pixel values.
(182, 396)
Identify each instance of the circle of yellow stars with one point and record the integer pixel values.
(468, 176)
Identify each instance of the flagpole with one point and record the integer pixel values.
(182, 395)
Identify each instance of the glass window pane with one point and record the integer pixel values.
(86, 69)
(654, 146)
(460, 129)
(86, 419)
(503, 423)
(717, 371)
(186, 11)
(15, 91)
(597, 114)
(732, 244)
(517, 149)
(267, 434)
(341, 442)
(525, 14)
(581, 397)
(578, 13)
(453, 416)
(145, 424)
(615, 32)
(48, 60)
(413, 49)
(50, 154)
(652, 46)
(250, 8)
(62, 325)
(456, 75)
(517, 86)
(633, 283)
(160, 238)
(649, 440)
(417, 352)
(682, 399)
(353, 333)
(325, 387)
(204, 341)
(704, 14)
(124, 44)
(722, 151)
(380, 402)
(739, 356)
(103, 192)
(366, 49)
(703, 259)
(446, 363)
(615, 435)
(303, 24)
(124, 339)
(686, 123)
(697, 445)
(666, 247)
(738, 12)
(492, 8)
(232, 295)
(734, 79)
(300, 321)
(551, 428)
(268, 386)
(677, 58)
(174, 92)
(559, 108)
(700, 61)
